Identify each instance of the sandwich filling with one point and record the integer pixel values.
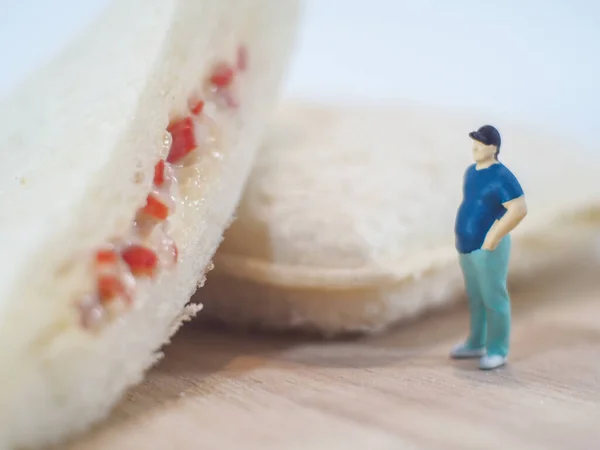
(148, 248)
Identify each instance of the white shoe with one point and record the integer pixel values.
(461, 351)
(489, 362)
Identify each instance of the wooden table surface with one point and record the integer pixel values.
(399, 390)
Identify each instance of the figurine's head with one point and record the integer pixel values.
(486, 143)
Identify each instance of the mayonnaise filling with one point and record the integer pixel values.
(149, 247)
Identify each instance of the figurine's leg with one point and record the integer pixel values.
(477, 335)
(494, 266)
(474, 346)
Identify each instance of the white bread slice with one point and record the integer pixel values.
(81, 138)
(347, 220)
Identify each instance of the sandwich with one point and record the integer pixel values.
(347, 221)
(123, 158)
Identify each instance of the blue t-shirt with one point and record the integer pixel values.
(484, 192)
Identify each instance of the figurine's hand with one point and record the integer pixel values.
(490, 243)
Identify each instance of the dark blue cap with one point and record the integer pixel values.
(487, 135)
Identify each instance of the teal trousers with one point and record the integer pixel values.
(485, 273)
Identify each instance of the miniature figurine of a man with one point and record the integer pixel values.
(493, 205)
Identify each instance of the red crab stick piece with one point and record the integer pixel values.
(196, 107)
(106, 257)
(159, 173)
(222, 75)
(184, 141)
(141, 260)
(155, 208)
(110, 288)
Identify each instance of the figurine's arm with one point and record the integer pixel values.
(516, 210)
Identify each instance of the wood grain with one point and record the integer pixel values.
(394, 391)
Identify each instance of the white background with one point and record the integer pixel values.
(531, 60)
